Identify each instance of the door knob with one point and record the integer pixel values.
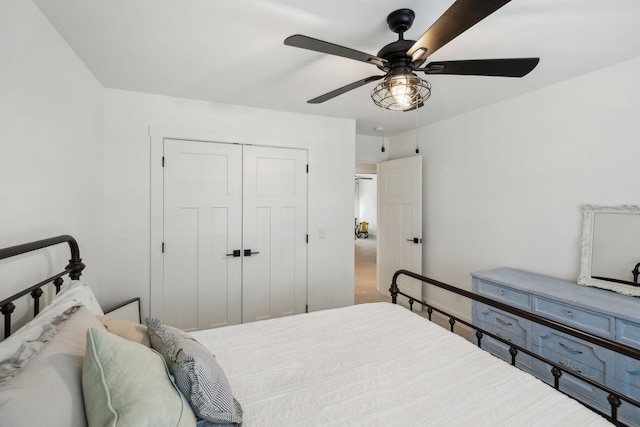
(415, 240)
(235, 253)
(247, 252)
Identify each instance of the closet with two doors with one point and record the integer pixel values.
(234, 234)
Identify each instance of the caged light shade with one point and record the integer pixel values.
(401, 92)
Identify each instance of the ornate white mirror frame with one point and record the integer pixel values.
(587, 244)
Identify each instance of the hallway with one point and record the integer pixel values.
(365, 272)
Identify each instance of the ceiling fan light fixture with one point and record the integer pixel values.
(401, 92)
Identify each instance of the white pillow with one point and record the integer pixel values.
(71, 293)
(47, 391)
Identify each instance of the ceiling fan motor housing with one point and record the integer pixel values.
(396, 54)
(400, 20)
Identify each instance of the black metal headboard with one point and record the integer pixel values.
(73, 269)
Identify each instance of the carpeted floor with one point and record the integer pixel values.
(365, 272)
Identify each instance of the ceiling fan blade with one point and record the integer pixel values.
(461, 16)
(344, 89)
(310, 43)
(513, 67)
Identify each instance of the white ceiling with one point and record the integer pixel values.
(232, 51)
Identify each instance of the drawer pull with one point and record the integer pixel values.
(501, 291)
(576, 370)
(504, 322)
(569, 313)
(571, 349)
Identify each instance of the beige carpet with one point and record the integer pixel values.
(365, 272)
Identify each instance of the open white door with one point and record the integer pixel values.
(400, 225)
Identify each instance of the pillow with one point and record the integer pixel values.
(75, 292)
(28, 349)
(127, 329)
(47, 390)
(11, 365)
(124, 383)
(197, 373)
(71, 294)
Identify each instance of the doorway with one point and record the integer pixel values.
(365, 246)
(396, 187)
(400, 224)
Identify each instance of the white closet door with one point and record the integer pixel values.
(274, 223)
(202, 224)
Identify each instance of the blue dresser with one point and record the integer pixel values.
(593, 310)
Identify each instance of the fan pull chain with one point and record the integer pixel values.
(417, 146)
(383, 150)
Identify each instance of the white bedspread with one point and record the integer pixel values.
(378, 365)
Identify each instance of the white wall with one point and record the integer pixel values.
(368, 149)
(331, 145)
(503, 185)
(51, 116)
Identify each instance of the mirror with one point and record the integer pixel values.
(611, 248)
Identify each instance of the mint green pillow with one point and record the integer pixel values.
(127, 384)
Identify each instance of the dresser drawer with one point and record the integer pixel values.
(575, 355)
(503, 294)
(499, 322)
(628, 382)
(501, 350)
(627, 371)
(628, 332)
(585, 320)
(573, 386)
(506, 326)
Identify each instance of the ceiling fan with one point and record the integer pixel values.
(401, 89)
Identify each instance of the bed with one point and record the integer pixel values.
(374, 364)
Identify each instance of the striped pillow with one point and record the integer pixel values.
(197, 373)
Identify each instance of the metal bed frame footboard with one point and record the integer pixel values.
(73, 269)
(614, 398)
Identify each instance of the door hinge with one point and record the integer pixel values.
(307, 168)
(162, 161)
(162, 247)
(306, 308)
